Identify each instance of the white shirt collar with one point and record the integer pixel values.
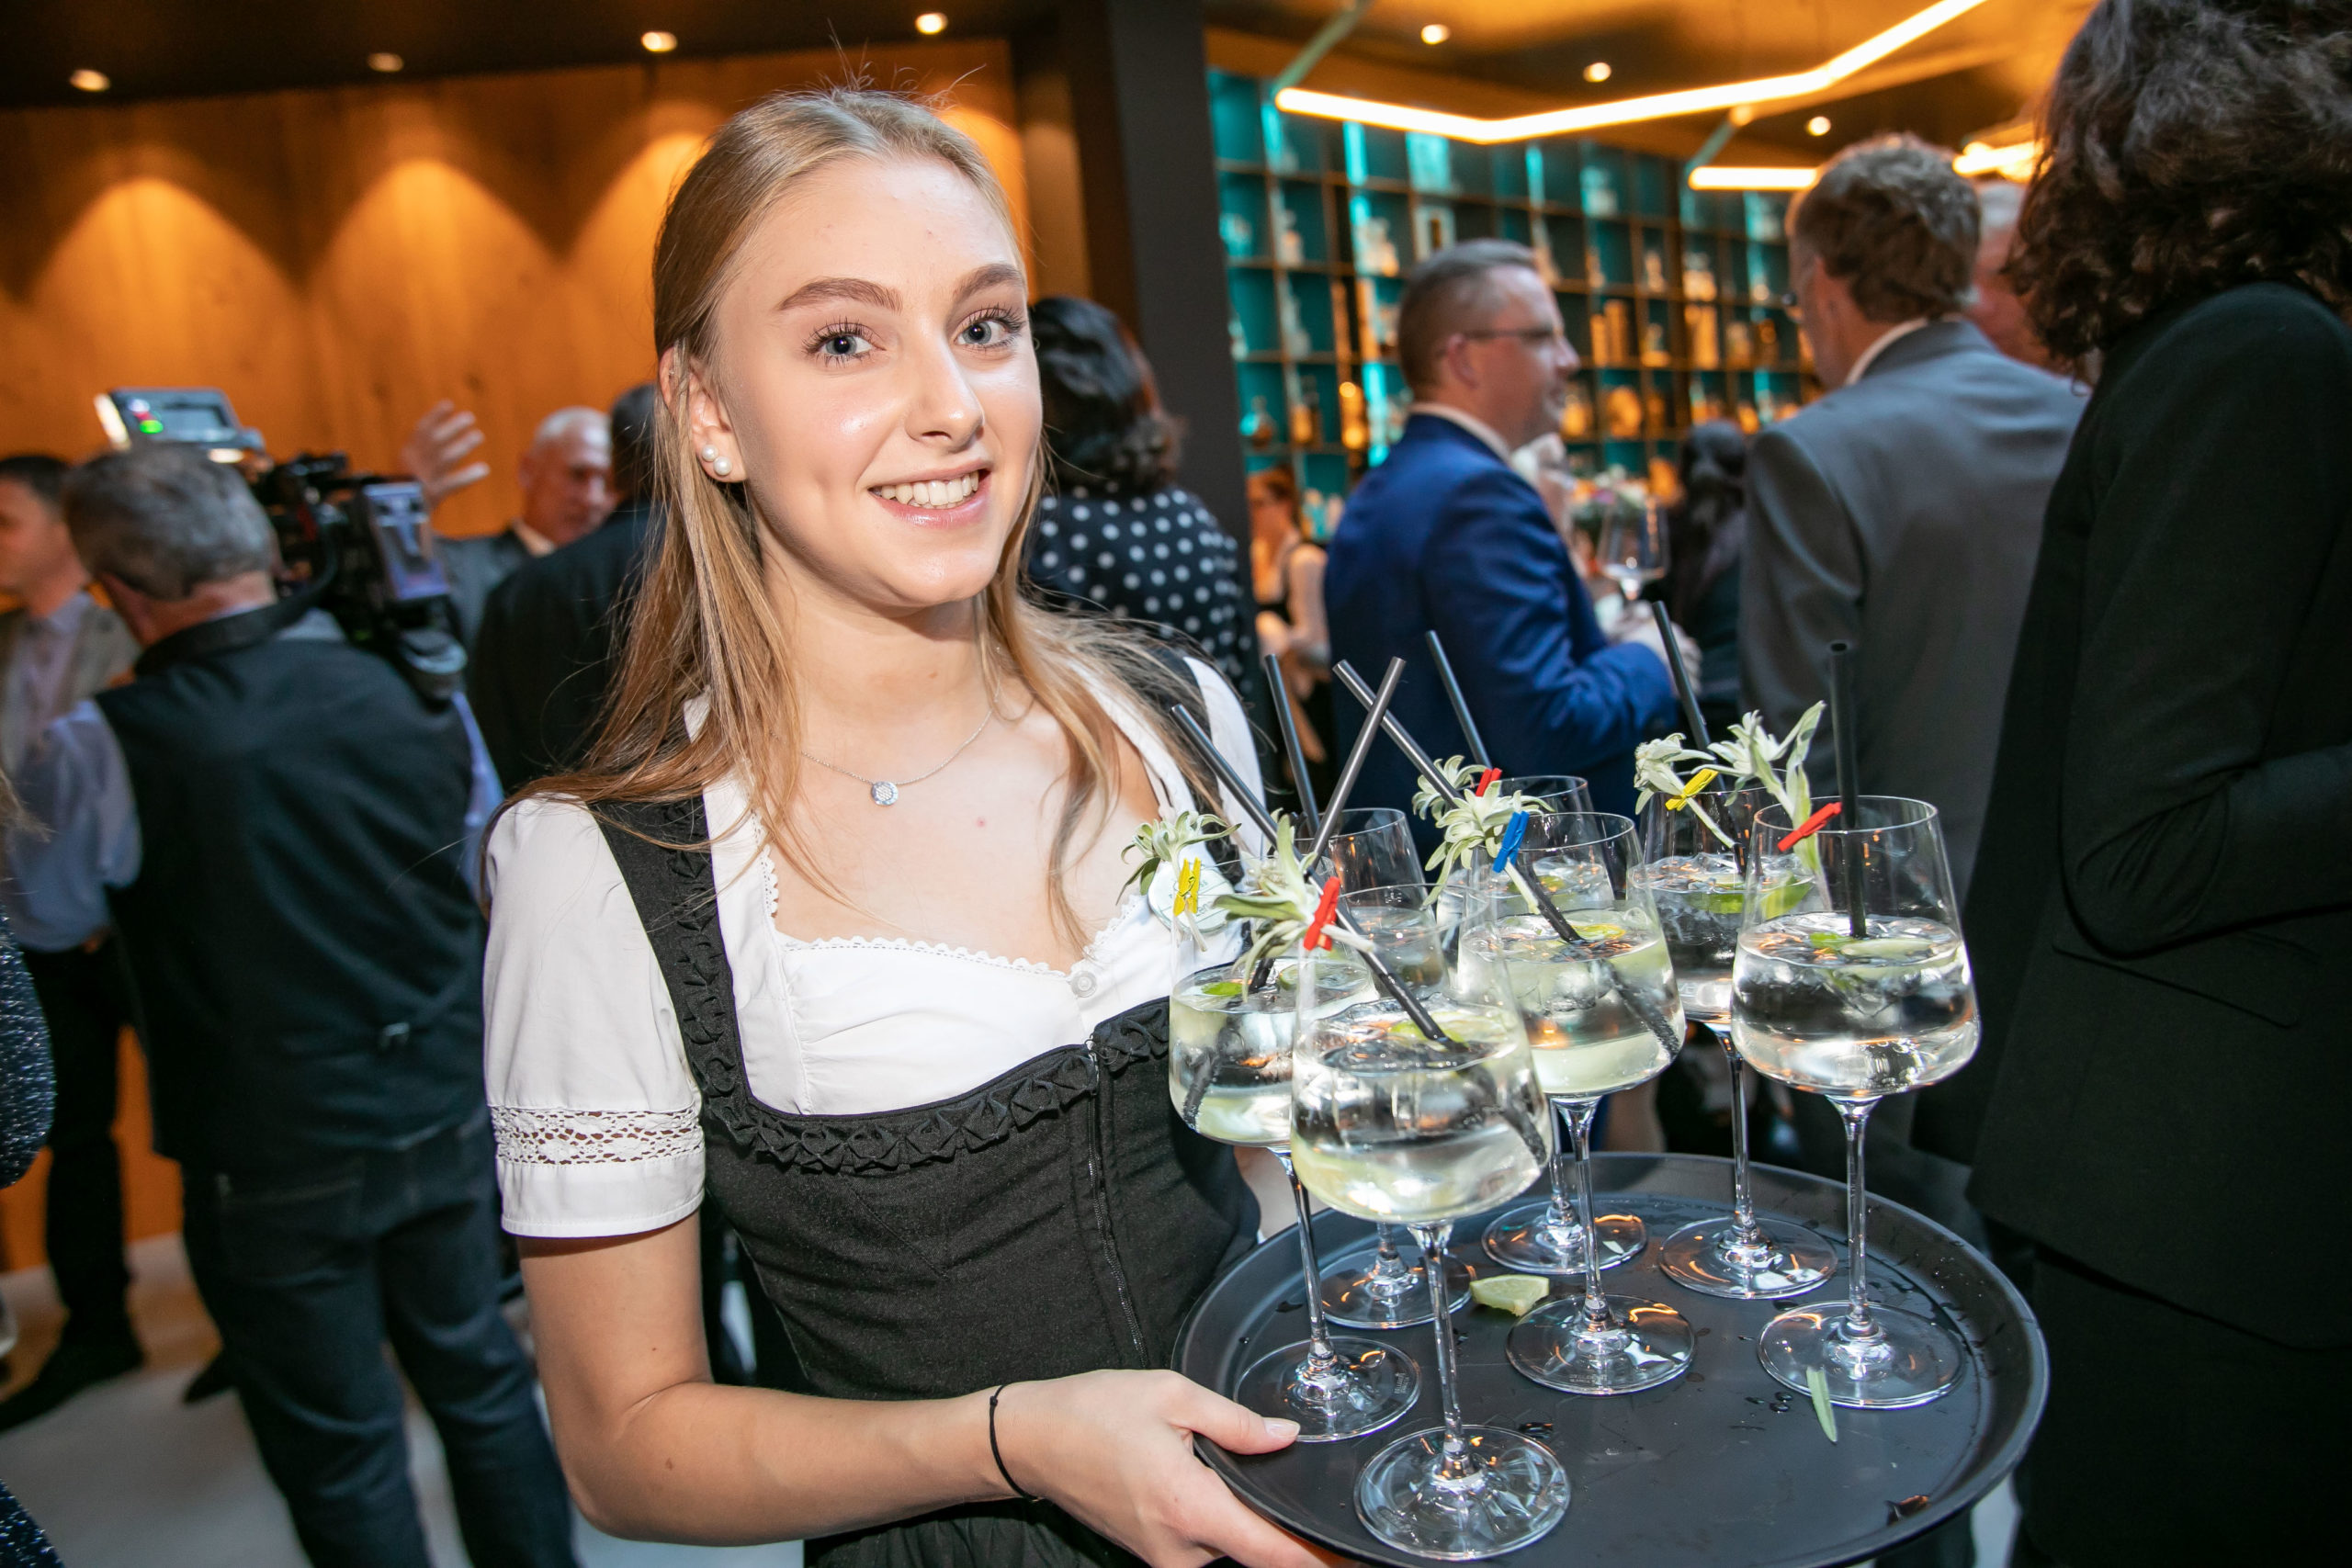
(1893, 335)
(538, 544)
(1471, 423)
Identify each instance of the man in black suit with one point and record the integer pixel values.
(551, 632)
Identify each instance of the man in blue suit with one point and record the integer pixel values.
(1446, 535)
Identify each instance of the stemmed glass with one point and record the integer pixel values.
(1633, 550)
(1855, 990)
(1557, 791)
(1229, 1073)
(1698, 883)
(1592, 977)
(1392, 1123)
(1372, 846)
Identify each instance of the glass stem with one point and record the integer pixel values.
(1856, 1112)
(1433, 1239)
(1596, 1302)
(1745, 1231)
(1318, 1342)
(1563, 1211)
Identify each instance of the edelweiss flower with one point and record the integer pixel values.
(1471, 828)
(1174, 869)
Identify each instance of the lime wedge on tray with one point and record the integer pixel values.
(1516, 1295)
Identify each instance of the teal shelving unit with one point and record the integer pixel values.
(1670, 296)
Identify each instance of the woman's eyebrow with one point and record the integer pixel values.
(855, 290)
(988, 276)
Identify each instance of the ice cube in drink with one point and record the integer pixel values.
(1240, 1038)
(1585, 1012)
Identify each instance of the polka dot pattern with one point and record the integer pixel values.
(1116, 552)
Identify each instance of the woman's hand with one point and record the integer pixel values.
(1115, 1451)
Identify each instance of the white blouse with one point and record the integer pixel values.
(598, 1115)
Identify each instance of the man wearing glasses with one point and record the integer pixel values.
(1446, 537)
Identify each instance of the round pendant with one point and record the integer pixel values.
(884, 794)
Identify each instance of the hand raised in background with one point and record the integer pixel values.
(436, 450)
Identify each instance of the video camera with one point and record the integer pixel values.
(358, 545)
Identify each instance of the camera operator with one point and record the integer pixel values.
(278, 827)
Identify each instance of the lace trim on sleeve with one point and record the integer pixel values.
(559, 1134)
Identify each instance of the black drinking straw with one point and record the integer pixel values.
(1292, 751)
(1640, 1005)
(1356, 755)
(1849, 768)
(1382, 974)
(1460, 706)
(1681, 677)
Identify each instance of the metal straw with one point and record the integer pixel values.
(1292, 749)
(1356, 755)
(1682, 688)
(1640, 1005)
(1850, 771)
(1382, 974)
(1460, 706)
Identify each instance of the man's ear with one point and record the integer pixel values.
(135, 608)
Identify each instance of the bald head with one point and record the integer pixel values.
(567, 474)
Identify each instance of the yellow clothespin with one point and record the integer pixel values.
(1188, 886)
(1682, 797)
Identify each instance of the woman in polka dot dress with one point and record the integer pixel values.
(1111, 533)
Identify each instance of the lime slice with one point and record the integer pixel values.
(1516, 1295)
(1908, 949)
(1592, 930)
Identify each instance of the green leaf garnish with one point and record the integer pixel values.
(1816, 1382)
(1471, 828)
(1222, 989)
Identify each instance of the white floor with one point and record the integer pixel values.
(128, 1477)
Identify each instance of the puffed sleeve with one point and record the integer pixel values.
(597, 1116)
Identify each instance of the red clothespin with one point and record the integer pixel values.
(1325, 909)
(1809, 827)
(1486, 780)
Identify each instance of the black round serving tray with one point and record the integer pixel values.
(1724, 1467)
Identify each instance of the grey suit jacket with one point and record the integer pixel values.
(103, 648)
(475, 564)
(1903, 514)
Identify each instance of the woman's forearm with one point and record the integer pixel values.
(709, 1465)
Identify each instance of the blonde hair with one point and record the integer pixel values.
(705, 625)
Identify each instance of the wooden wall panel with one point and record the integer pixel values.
(337, 260)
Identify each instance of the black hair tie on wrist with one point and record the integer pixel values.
(998, 1453)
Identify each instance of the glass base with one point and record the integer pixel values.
(1706, 1258)
(1646, 1344)
(1356, 1296)
(1530, 1239)
(1909, 1362)
(1370, 1386)
(1507, 1489)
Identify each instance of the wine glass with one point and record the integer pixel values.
(1229, 1028)
(1855, 988)
(1421, 1123)
(1593, 979)
(1633, 551)
(1698, 880)
(1372, 846)
(1559, 792)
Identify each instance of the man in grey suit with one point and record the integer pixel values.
(1902, 512)
(566, 475)
(58, 647)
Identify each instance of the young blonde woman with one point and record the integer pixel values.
(831, 928)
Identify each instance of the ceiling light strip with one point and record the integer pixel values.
(1626, 112)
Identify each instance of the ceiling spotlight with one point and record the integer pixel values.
(90, 81)
(659, 43)
(932, 22)
(1597, 71)
(385, 60)
(1436, 32)
(1817, 126)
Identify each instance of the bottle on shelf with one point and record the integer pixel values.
(1356, 429)
(1307, 415)
(1258, 425)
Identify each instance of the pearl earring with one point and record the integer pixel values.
(719, 465)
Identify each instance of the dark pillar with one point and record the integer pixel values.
(1139, 102)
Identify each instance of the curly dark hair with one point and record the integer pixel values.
(1105, 429)
(1890, 218)
(2190, 146)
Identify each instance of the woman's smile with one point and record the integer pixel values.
(950, 500)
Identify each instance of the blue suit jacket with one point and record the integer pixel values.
(1446, 537)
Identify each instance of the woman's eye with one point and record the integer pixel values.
(843, 346)
(987, 332)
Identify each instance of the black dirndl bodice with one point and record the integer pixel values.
(1059, 1219)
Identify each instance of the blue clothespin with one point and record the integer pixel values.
(1514, 832)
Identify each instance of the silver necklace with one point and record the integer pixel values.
(885, 792)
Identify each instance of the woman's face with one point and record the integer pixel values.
(873, 382)
(1270, 517)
